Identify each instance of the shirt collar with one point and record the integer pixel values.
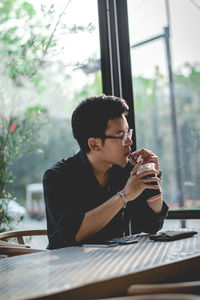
(84, 160)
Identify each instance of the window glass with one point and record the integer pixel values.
(174, 135)
(50, 60)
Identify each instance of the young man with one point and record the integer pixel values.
(93, 196)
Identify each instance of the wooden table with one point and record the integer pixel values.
(89, 273)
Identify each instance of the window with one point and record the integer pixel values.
(166, 114)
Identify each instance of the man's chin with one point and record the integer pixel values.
(123, 164)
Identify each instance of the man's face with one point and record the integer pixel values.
(114, 150)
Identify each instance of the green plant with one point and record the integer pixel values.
(19, 135)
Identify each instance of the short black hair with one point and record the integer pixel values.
(91, 116)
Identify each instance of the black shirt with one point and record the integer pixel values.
(71, 189)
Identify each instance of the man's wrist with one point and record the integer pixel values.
(125, 201)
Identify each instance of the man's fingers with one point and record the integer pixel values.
(148, 173)
(146, 155)
(152, 187)
(135, 169)
(152, 179)
(143, 152)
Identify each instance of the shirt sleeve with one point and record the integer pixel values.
(144, 219)
(64, 216)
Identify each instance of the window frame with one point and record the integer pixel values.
(115, 54)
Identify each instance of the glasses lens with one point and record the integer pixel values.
(130, 133)
(126, 136)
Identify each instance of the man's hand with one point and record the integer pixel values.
(147, 156)
(136, 183)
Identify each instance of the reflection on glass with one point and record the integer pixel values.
(153, 108)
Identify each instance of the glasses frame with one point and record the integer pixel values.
(123, 137)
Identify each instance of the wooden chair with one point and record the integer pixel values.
(11, 249)
(192, 287)
(157, 297)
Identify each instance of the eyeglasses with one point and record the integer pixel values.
(123, 137)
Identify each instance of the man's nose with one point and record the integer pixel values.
(128, 141)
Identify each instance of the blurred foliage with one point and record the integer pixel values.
(58, 143)
(19, 135)
(154, 127)
(27, 39)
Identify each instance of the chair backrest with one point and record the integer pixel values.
(10, 249)
(170, 296)
(189, 287)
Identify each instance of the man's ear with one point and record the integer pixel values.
(94, 144)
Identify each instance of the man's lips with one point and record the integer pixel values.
(127, 152)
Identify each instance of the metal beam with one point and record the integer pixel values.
(115, 53)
